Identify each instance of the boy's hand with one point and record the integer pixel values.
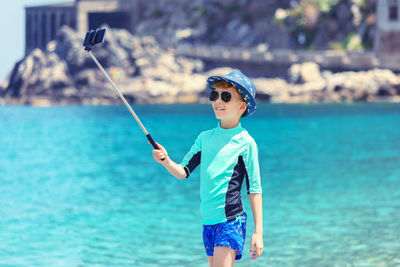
(256, 245)
(159, 154)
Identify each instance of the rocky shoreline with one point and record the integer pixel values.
(147, 73)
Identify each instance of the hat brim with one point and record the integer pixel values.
(248, 98)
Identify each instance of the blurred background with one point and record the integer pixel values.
(79, 187)
(162, 51)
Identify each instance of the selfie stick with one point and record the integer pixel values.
(96, 37)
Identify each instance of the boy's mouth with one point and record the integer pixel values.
(219, 109)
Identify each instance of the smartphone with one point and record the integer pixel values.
(93, 38)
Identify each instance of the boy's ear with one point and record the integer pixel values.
(243, 107)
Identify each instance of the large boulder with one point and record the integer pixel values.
(304, 73)
(38, 74)
(65, 73)
(363, 86)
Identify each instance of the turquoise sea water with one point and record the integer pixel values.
(79, 187)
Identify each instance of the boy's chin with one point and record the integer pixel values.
(219, 116)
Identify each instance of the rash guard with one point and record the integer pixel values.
(227, 157)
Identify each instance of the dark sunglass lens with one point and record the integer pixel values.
(213, 95)
(226, 96)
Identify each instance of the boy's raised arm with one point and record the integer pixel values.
(175, 169)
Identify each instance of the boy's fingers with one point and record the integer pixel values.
(255, 251)
(159, 153)
(252, 248)
(259, 251)
(160, 146)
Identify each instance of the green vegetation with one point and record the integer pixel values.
(245, 16)
(353, 42)
(325, 6)
(232, 7)
(157, 13)
(305, 19)
(202, 10)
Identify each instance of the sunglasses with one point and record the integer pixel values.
(225, 96)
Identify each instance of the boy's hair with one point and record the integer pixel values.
(225, 85)
(222, 85)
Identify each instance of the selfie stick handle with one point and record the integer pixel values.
(125, 102)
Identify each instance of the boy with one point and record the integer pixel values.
(228, 155)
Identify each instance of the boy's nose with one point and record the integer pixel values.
(219, 100)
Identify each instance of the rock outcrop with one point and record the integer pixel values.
(65, 73)
(147, 73)
(306, 84)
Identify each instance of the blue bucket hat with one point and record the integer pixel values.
(243, 84)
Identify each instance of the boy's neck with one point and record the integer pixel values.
(226, 124)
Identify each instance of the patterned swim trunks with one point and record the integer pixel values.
(230, 234)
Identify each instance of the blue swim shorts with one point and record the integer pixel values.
(230, 234)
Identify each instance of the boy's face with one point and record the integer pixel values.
(233, 109)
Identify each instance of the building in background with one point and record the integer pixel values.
(43, 22)
(387, 36)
